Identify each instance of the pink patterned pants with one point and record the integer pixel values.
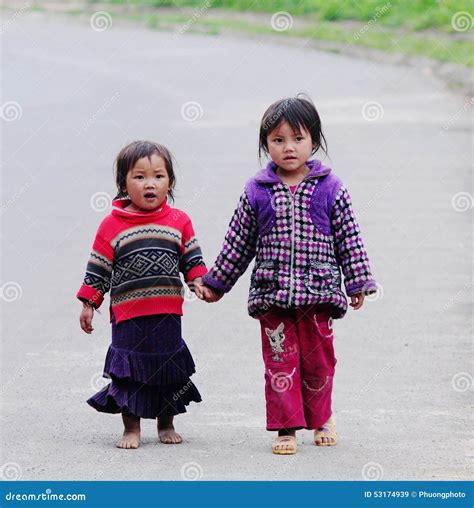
(298, 351)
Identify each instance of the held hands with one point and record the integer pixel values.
(357, 301)
(204, 292)
(209, 295)
(85, 319)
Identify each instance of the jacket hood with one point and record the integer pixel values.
(268, 174)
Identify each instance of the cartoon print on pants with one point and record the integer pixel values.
(276, 338)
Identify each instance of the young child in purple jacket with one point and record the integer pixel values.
(295, 217)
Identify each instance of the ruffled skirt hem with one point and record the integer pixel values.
(149, 368)
(144, 401)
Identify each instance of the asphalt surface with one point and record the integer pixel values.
(403, 386)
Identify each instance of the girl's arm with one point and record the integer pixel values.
(191, 264)
(349, 248)
(98, 271)
(238, 249)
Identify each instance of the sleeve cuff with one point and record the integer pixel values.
(92, 295)
(215, 284)
(367, 287)
(197, 271)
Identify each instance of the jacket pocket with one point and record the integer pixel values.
(263, 277)
(322, 278)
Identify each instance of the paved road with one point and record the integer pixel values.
(404, 361)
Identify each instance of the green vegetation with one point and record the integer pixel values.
(415, 28)
(413, 15)
(436, 45)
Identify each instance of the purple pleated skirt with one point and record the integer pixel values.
(150, 367)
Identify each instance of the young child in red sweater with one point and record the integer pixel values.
(138, 253)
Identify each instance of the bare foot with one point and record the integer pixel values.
(166, 432)
(131, 434)
(129, 440)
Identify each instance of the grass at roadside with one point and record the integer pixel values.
(393, 27)
(412, 14)
(442, 48)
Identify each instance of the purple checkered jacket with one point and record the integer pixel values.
(300, 240)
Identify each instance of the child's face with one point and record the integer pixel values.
(289, 150)
(148, 182)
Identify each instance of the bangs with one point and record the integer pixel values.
(293, 121)
(300, 114)
(128, 157)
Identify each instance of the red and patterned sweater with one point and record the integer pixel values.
(139, 257)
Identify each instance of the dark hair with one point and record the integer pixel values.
(299, 112)
(128, 157)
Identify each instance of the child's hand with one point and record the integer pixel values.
(211, 296)
(197, 287)
(205, 292)
(357, 301)
(85, 318)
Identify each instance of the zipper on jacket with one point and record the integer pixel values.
(292, 256)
